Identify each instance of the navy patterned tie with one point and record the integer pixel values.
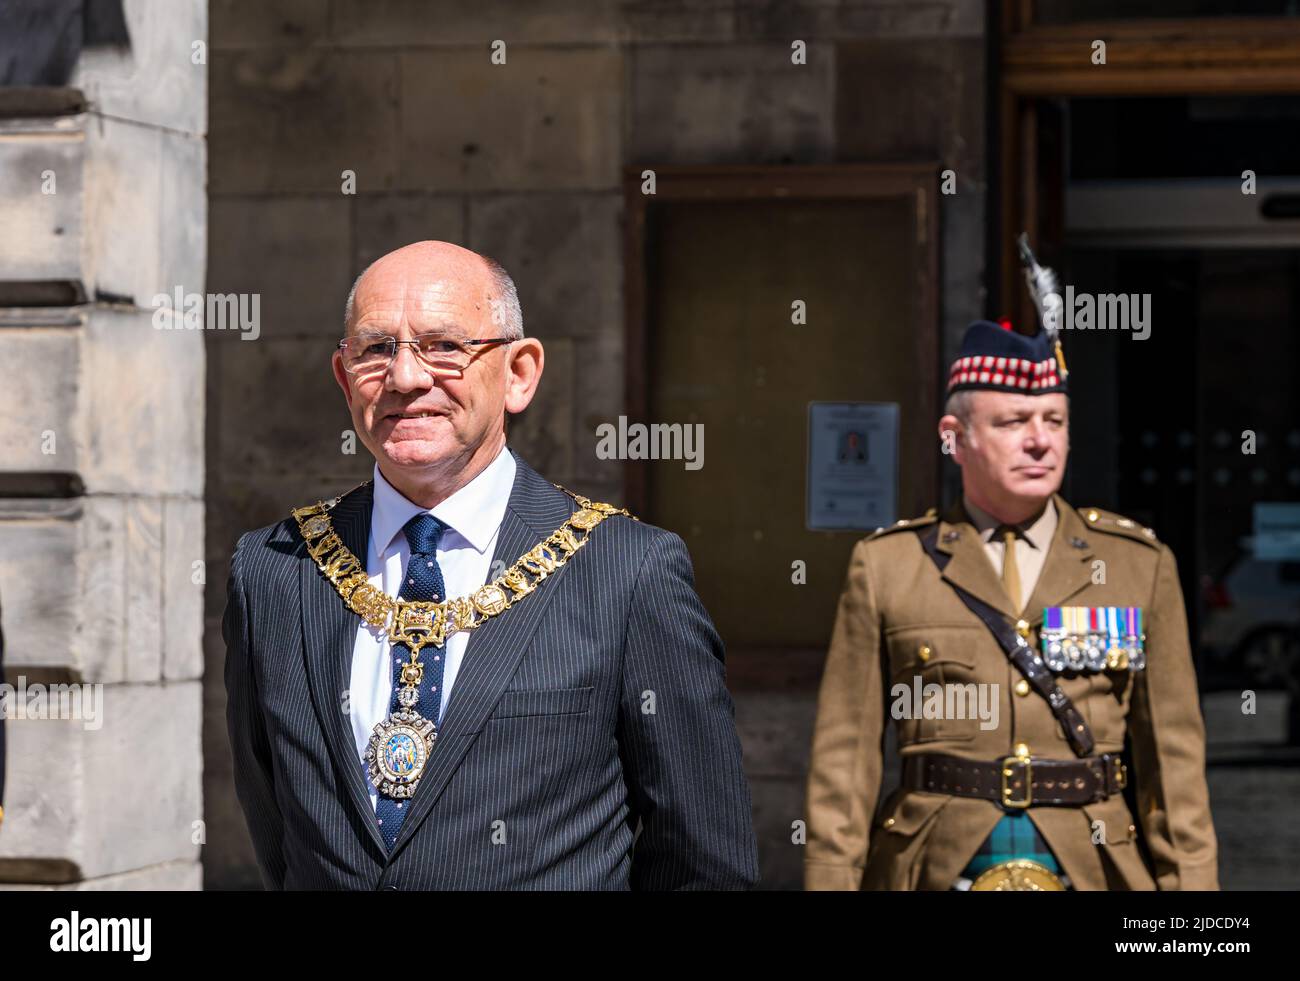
(422, 583)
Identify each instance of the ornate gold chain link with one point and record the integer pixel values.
(418, 624)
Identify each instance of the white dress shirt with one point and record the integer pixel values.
(473, 516)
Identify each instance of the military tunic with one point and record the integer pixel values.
(899, 618)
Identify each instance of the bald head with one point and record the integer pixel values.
(405, 270)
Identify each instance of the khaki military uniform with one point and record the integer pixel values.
(898, 618)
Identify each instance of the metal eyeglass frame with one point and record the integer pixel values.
(396, 343)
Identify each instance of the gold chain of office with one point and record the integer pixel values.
(418, 624)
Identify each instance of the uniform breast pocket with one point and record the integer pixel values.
(933, 692)
(1109, 693)
(530, 703)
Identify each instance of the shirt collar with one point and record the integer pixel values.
(1037, 531)
(474, 512)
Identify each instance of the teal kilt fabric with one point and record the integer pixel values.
(1015, 836)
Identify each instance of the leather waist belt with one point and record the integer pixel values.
(1017, 782)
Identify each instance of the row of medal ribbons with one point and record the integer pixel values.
(1093, 638)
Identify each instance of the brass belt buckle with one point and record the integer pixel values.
(1121, 774)
(1008, 799)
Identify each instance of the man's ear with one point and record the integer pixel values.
(341, 376)
(951, 436)
(524, 371)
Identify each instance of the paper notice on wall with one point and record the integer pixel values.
(852, 465)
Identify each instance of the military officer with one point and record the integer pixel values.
(1068, 622)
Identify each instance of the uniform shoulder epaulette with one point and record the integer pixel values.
(1117, 524)
(905, 524)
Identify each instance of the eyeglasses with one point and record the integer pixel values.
(368, 353)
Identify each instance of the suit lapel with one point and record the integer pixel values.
(969, 566)
(494, 650)
(1068, 568)
(329, 631)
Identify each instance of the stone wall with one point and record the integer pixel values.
(101, 454)
(523, 161)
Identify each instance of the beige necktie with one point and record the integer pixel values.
(1010, 573)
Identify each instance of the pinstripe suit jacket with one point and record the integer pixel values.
(2, 729)
(548, 755)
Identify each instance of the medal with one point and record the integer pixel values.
(1133, 638)
(1093, 639)
(401, 744)
(1117, 658)
(1095, 657)
(1053, 640)
(1076, 656)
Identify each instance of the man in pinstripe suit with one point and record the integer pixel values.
(584, 734)
(2, 731)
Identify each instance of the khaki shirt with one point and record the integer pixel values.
(899, 617)
(1031, 544)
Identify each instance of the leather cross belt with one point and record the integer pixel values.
(1017, 782)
